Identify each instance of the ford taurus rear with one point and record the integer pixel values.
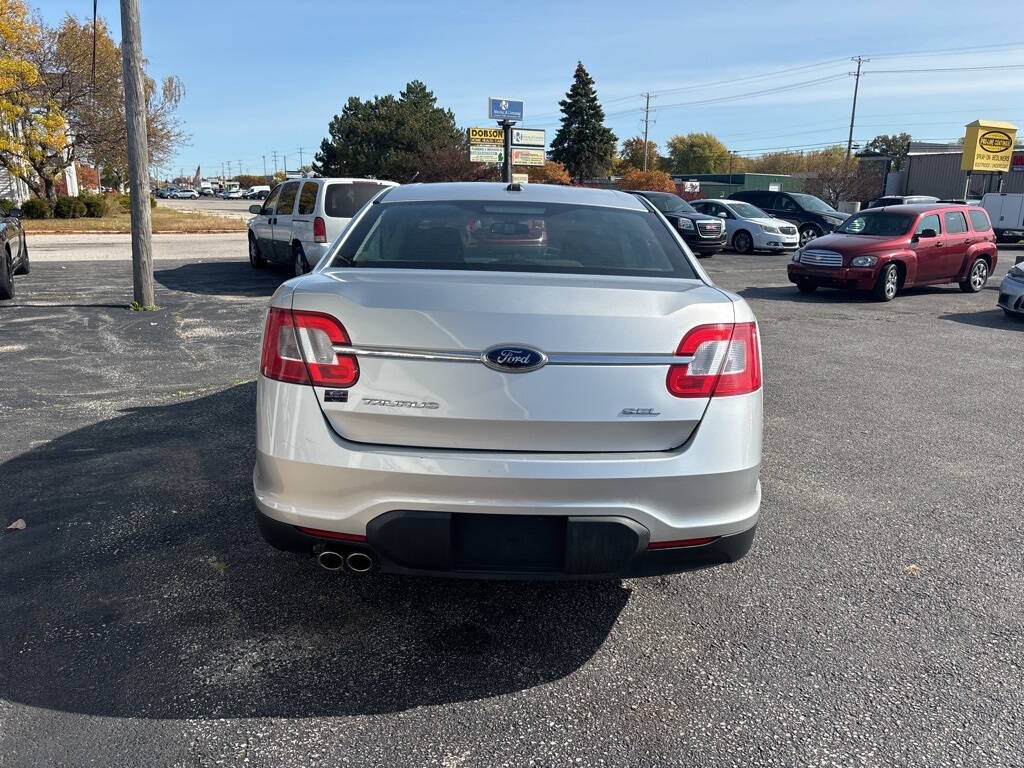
(450, 393)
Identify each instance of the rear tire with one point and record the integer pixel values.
(888, 283)
(255, 259)
(976, 278)
(807, 286)
(742, 242)
(299, 264)
(7, 277)
(25, 267)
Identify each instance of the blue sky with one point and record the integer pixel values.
(263, 76)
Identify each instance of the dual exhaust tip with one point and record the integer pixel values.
(357, 562)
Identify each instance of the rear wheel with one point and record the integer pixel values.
(25, 268)
(299, 262)
(7, 277)
(976, 278)
(255, 259)
(807, 286)
(887, 284)
(808, 233)
(742, 242)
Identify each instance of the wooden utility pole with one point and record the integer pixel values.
(138, 153)
(647, 122)
(853, 112)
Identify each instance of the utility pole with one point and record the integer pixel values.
(647, 120)
(138, 153)
(300, 159)
(264, 165)
(284, 162)
(229, 169)
(275, 161)
(853, 112)
(239, 167)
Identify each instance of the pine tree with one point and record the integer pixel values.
(583, 144)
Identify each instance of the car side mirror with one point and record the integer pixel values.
(257, 209)
(723, 215)
(927, 233)
(14, 213)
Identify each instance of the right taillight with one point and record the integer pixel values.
(726, 361)
(319, 230)
(298, 347)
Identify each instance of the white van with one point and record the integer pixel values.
(300, 219)
(1006, 210)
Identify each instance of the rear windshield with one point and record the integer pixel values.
(342, 200)
(881, 224)
(514, 237)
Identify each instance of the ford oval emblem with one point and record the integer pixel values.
(514, 359)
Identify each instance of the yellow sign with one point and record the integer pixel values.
(988, 146)
(486, 136)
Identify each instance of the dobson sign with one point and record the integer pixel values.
(504, 109)
(988, 146)
(486, 136)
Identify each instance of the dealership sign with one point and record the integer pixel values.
(504, 109)
(528, 137)
(988, 146)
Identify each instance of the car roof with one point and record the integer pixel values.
(920, 207)
(499, 192)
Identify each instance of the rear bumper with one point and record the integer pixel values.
(513, 548)
(309, 476)
(859, 278)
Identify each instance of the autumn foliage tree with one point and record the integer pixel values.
(549, 173)
(52, 111)
(654, 181)
(632, 154)
(697, 153)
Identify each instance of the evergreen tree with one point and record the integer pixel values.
(583, 144)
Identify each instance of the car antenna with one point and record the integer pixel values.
(414, 177)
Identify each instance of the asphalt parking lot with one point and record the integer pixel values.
(877, 621)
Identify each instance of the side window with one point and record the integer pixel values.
(931, 221)
(270, 202)
(307, 198)
(287, 200)
(955, 222)
(760, 199)
(979, 221)
(783, 203)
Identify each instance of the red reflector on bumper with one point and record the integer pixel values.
(332, 534)
(681, 543)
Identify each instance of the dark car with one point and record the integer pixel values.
(881, 202)
(884, 250)
(704, 234)
(13, 250)
(812, 216)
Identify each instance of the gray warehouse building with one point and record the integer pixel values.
(934, 169)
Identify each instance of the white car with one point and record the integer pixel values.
(185, 194)
(749, 228)
(300, 219)
(509, 381)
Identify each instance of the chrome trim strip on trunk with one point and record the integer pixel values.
(449, 356)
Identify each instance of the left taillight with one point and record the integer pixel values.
(319, 230)
(298, 347)
(726, 361)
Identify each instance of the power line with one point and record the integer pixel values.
(940, 69)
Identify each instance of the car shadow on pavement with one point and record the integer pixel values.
(989, 318)
(222, 277)
(141, 588)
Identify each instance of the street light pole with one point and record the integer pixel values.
(138, 154)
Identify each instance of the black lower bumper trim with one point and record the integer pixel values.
(514, 547)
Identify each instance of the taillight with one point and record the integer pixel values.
(319, 230)
(298, 347)
(726, 361)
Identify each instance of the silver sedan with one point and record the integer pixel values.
(509, 381)
(1011, 291)
(749, 228)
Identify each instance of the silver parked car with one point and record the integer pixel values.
(1011, 291)
(749, 228)
(13, 251)
(509, 381)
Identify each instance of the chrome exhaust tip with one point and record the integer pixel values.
(330, 561)
(360, 562)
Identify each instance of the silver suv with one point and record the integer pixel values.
(512, 381)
